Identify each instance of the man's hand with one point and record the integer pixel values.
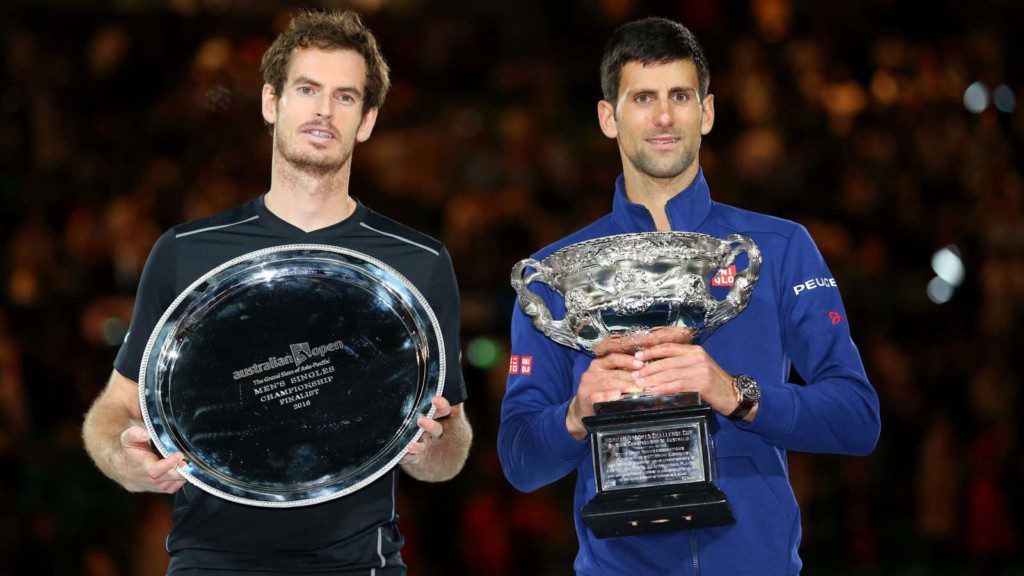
(146, 471)
(606, 379)
(444, 445)
(432, 431)
(673, 368)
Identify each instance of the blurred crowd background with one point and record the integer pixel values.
(890, 129)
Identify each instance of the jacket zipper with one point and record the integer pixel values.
(696, 562)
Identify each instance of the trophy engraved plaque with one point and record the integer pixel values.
(653, 457)
(292, 375)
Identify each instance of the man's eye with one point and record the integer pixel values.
(347, 98)
(682, 96)
(305, 90)
(643, 99)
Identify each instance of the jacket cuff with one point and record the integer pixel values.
(776, 413)
(557, 437)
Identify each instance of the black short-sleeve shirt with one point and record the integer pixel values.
(355, 533)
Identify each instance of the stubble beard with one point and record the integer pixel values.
(312, 163)
(655, 167)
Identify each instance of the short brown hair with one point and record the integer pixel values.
(657, 40)
(328, 31)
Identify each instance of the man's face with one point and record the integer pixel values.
(318, 116)
(658, 118)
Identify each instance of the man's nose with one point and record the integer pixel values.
(663, 115)
(325, 106)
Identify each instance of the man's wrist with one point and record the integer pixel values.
(752, 414)
(574, 420)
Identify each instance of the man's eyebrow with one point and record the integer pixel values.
(311, 82)
(655, 90)
(307, 80)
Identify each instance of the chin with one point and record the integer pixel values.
(663, 168)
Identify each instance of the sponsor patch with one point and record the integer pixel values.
(814, 283)
(520, 365)
(525, 364)
(726, 277)
(835, 317)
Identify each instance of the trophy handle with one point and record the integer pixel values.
(743, 284)
(534, 307)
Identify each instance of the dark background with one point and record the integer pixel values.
(118, 120)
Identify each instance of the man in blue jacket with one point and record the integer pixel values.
(654, 79)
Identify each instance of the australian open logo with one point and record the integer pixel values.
(299, 354)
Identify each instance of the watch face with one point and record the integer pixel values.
(748, 388)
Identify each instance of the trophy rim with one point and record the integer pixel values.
(208, 482)
(615, 238)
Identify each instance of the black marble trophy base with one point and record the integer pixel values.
(610, 515)
(654, 467)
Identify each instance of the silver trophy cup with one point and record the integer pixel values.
(653, 463)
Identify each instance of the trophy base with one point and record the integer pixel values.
(610, 515)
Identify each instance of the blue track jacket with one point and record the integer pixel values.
(795, 317)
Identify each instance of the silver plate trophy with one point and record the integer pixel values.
(292, 375)
(653, 462)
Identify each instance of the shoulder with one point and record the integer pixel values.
(596, 229)
(232, 216)
(749, 222)
(384, 226)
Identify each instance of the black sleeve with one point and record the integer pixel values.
(156, 292)
(446, 306)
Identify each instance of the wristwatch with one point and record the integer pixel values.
(749, 393)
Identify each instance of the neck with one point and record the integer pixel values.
(654, 193)
(309, 200)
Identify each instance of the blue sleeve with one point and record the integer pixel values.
(534, 446)
(837, 410)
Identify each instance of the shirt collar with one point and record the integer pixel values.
(686, 210)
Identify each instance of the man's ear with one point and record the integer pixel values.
(606, 118)
(708, 119)
(269, 104)
(366, 125)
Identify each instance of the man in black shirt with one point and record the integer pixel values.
(325, 81)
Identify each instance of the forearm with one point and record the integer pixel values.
(834, 415)
(101, 434)
(447, 455)
(536, 449)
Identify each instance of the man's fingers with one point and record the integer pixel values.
(136, 435)
(621, 383)
(606, 396)
(430, 427)
(618, 361)
(665, 364)
(166, 466)
(673, 387)
(413, 452)
(690, 374)
(664, 351)
(442, 408)
(170, 486)
(615, 378)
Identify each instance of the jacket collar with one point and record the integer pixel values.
(686, 210)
